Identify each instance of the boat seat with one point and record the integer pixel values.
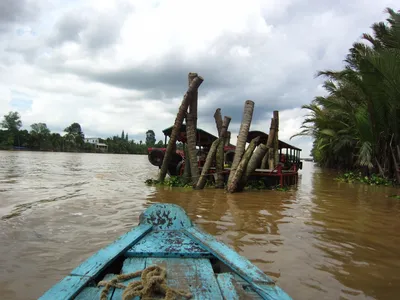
(167, 244)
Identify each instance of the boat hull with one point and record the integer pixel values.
(194, 261)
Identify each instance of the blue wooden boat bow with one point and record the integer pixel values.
(194, 261)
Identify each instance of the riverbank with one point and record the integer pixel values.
(75, 151)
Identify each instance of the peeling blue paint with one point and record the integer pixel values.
(193, 260)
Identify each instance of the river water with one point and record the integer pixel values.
(320, 240)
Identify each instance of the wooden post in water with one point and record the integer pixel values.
(232, 187)
(219, 168)
(191, 132)
(228, 138)
(194, 85)
(265, 160)
(276, 139)
(218, 120)
(186, 172)
(242, 137)
(210, 156)
(257, 156)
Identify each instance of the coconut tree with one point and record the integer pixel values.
(358, 122)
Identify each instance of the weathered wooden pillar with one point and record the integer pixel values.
(210, 156)
(242, 137)
(196, 82)
(218, 120)
(228, 138)
(264, 162)
(276, 139)
(232, 186)
(258, 156)
(219, 168)
(186, 172)
(191, 132)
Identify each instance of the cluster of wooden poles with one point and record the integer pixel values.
(245, 161)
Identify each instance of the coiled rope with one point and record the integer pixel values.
(152, 283)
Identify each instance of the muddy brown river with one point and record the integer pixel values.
(320, 240)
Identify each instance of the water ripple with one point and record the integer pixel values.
(321, 240)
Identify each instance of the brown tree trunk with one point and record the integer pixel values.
(264, 161)
(210, 156)
(191, 132)
(218, 121)
(177, 126)
(228, 138)
(232, 186)
(219, 168)
(276, 139)
(396, 169)
(259, 154)
(271, 161)
(398, 152)
(186, 172)
(218, 161)
(242, 137)
(381, 172)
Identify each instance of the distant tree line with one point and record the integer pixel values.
(40, 138)
(357, 124)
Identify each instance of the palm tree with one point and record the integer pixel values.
(357, 124)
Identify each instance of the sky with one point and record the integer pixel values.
(123, 65)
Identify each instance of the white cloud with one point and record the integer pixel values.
(113, 65)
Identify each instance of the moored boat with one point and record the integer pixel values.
(166, 254)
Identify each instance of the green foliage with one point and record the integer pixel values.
(12, 121)
(40, 135)
(172, 181)
(260, 185)
(41, 138)
(150, 138)
(357, 123)
(256, 185)
(75, 137)
(374, 179)
(395, 197)
(175, 181)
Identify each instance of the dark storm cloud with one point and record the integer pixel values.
(16, 11)
(168, 79)
(68, 29)
(94, 30)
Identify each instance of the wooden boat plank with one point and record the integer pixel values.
(231, 289)
(93, 293)
(130, 265)
(67, 288)
(165, 217)
(259, 281)
(104, 257)
(167, 244)
(190, 274)
(194, 275)
(247, 287)
(238, 263)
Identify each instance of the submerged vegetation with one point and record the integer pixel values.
(174, 181)
(178, 181)
(373, 179)
(357, 124)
